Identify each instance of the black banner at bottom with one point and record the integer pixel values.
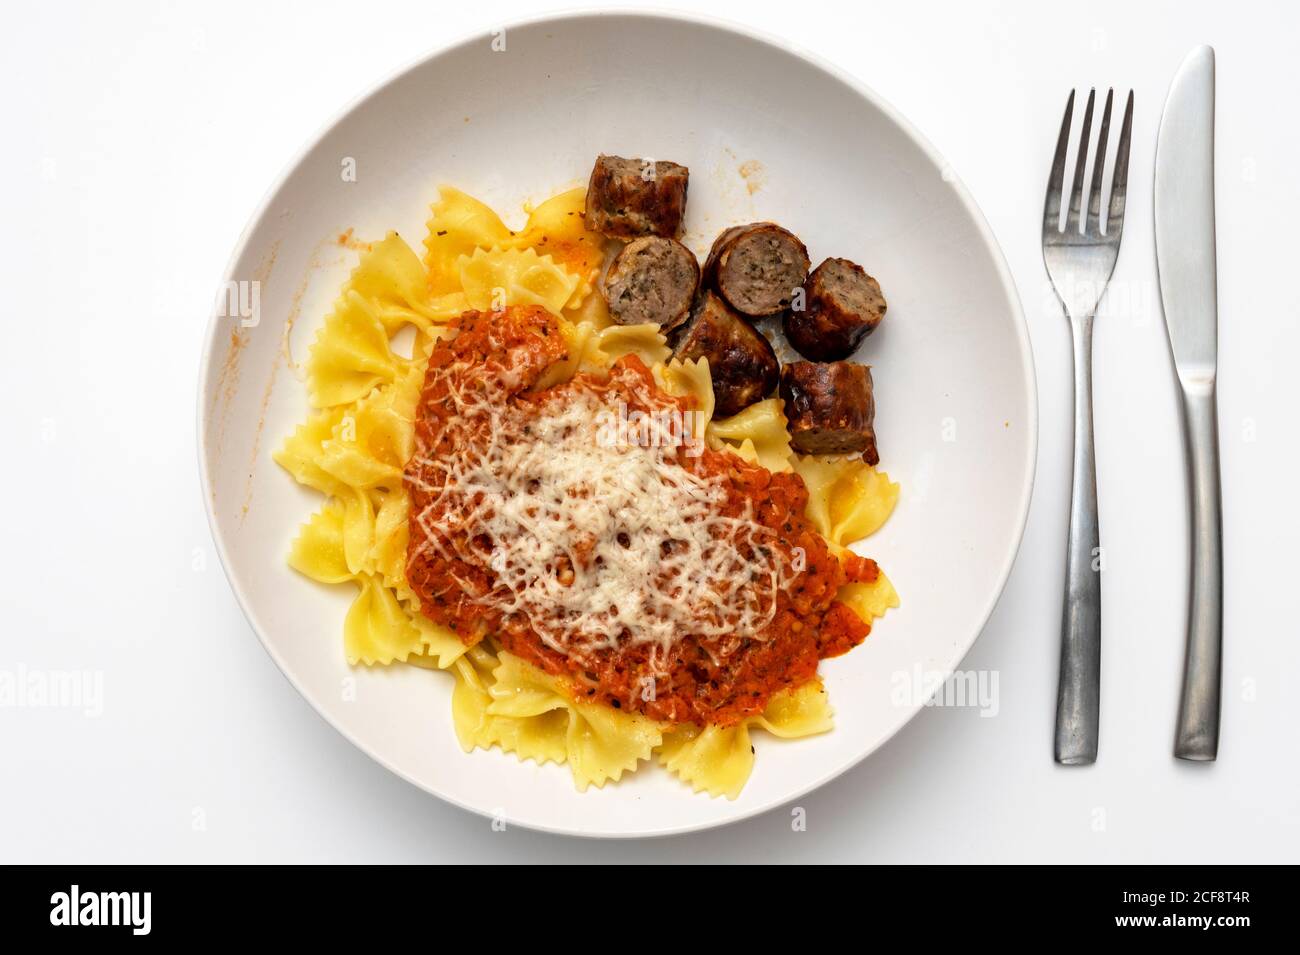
(217, 903)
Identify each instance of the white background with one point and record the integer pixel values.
(139, 138)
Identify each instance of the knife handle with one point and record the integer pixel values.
(1078, 696)
(1198, 715)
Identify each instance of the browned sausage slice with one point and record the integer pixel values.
(652, 280)
(843, 306)
(741, 361)
(627, 198)
(757, 267)
(829, 408)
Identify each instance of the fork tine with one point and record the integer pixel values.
(1092, 226)
(1055, 179)
(1119, 186)
(1075, 211)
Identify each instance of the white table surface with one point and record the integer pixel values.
(138, 139)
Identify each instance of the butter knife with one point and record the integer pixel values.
(1185, 258)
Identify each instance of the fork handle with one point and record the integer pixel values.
(1198, 715)
(1079, 691)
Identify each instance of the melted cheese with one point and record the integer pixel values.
(594, 531)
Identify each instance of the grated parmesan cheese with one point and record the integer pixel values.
(596, 543)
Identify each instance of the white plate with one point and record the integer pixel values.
(768, 133)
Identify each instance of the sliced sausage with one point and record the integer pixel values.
(829, 408)
(627, 198)
(652, 280)
(741, 361)
(757, 267)
(843, 305)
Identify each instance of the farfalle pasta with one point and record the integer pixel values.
(366, 448)
(719, 759)
(500, 700)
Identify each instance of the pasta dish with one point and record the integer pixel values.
(564, 466)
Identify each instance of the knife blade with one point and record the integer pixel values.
(1184, 209)
(1185, 260)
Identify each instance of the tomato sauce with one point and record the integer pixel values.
(700, 681)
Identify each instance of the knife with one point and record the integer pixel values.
(1184, 221)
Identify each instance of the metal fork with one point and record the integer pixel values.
(1080, 259)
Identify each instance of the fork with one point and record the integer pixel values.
(1080, 259)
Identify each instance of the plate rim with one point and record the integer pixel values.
(1029, 384)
